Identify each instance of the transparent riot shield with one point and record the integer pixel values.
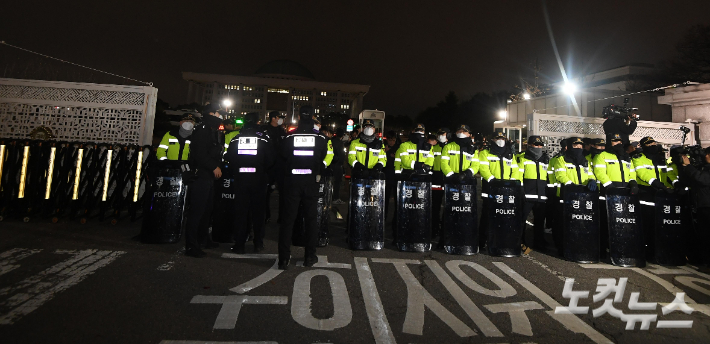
(669, 230)
(580, 224)
(414, 215)
(224, 207)
(460, 219)
(625, 234)
(504, 218)
(325, 193)
(164, 213)
(366, 223)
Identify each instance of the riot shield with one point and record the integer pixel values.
(414, 214)
(504, 218)
(164, 213)
(223, 213)
(625, 233)
(460, 219)
(669, 230)
(580, 224)
(366, 223)
(325, 193)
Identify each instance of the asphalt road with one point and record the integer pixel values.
(95, 283)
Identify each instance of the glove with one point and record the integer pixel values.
(633, 187)
(658, 185)
(427, 168)
(378, 167)
(468, 173)
(592, 185)
(459, 177)
(358, 167)
(418, 166)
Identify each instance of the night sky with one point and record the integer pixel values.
(411, 52)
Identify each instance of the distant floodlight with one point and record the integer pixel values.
(496, 122)
(503, 114)
(526, 96)
(227, 103)
(509, 101)
(569, 88)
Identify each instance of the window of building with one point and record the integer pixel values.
(317, 110)
(277, 90)
(344, 106)
(248, 88)
(300, 98)
(257, 101)
(244, 112)
(231, 87)
(332, 94)
(324, 93)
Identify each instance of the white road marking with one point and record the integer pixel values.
(232, 304)
(373, 305)
(547, 268)
(323, 263)
(519, 321)
(505, 289)
(301, 301)
(418, 299)
(45, 285)
(475, 313)
(692, 282)
(10, 257)
(569, 321)
(695, 271)
(662, 270)
(258, 280)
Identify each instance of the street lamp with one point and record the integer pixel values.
(503, 114)
(526, 96)
(569, 88)
(227, 103)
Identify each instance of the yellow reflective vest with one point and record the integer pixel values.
(455, 160)
(494, 167)
(609, 168)
(647, 172)
(408, 155)
(170, 147)
(359, 152)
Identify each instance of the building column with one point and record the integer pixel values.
(691, 103)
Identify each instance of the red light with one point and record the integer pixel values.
(221, 127)
(379, 134)
(350, 122)
(290, 129)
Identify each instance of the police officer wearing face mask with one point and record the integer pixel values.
(175, 144)
(304, 152)
(437, 181)
(533, 164)
(496, 162)
(249, 156)
(367, 152)
(652, 176)
(206, 158)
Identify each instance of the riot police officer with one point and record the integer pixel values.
(367, 152)
(276, 132)
(437, 183)
(304, 152)
(206, 158)
(496, 162)
(175, 144)
(533, 164)
(249, 156)
(230, 132)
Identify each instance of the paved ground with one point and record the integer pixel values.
(94, 283)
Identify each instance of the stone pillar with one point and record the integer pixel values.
(691, 103)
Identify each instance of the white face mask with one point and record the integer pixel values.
(369, 131)
(188, 126)
(280, 121)
(461, 135)
(500, 143)
(442, 138)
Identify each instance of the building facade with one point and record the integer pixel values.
(281, 85)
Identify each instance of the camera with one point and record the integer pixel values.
(684, 129)
(617, 111)
(696, 155)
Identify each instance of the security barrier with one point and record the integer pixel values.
(74, 180)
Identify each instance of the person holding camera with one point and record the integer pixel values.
(619, 121)
(698, 179)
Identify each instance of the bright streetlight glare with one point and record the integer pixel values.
(227, 103)
(569, 88)
(526, 96)
(503, 114)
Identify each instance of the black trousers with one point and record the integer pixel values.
(300, 190)
(199, 215)
(337, 179)
(648, 221)
(251, 200)
(539, 211)
(701, 235)
(390, 192)
(483, 228)
(558, 228)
